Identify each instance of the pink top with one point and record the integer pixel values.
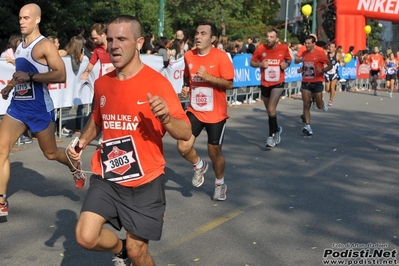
(8, 53)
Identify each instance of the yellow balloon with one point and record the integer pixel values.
(347, 58)
(367, 29)
(307, 10)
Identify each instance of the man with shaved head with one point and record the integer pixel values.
(136, 107)
(31, 106)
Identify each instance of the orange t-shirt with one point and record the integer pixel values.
(273, 74)
(131, 153)
(376, 61)
(312, 62)
(303, 49)
(208, 103)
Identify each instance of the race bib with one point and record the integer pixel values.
(374, 64)
(202, 99)
(309, 71)
(272, 73)
(391, 71)
(24, 91)
(119, 160)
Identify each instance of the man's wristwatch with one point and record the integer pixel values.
(31, 74)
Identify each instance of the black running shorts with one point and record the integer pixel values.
(313, 87)
(265, 91)
(215, 131)
(138, 210)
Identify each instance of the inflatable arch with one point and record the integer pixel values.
(351, 19)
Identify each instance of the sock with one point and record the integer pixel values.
(123, 253)
(3, 196)
(199, 164)
(219, 182)
(272, 125)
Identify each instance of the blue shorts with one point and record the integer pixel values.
(35, 121)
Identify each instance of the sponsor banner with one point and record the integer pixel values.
(244, 74)
(76, 91)
(291, 73)
(348, 71)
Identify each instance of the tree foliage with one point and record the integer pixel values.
(242, 18)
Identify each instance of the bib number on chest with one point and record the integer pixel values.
(202, 99)
(119, 160)
(24, 91)
(272, 73)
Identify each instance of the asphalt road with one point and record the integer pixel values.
(285, 205)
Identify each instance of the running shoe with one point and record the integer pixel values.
(325, 107)
(270, 141)
(277, 135)
(307, 130)
(121, 262)
(220, 192)
(25, 140)
(66, 132)
(390, 95)
(330, 103)
(4, 209)
(198, 178)
(79, 177)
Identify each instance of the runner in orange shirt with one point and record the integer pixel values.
(208, 74)
(136, 107)
(376, 63)
(273, 59)
(312, 79)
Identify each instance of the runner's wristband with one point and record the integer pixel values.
(10, 85)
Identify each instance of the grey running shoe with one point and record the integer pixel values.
(277, 135)
(198, 178)
(270, 141)
(325, 107)
(307, 130)
(121, 262)
(220, 192)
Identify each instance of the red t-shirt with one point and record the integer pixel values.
(100, 53)
(273, 74)
(208, 103)
(312, 62)
(376, 61)
(131, 153)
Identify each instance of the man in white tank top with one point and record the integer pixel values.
(31, 106)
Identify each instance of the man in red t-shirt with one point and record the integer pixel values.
(272, 58)
(208, 74)
(136, 107)
(376, 63)
(312, 79)
(100, 52)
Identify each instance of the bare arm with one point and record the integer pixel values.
(177, 128)
(214, 81)
(45, 52)
(328, 67)
(90, 131)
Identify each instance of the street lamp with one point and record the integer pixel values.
(286, 19)
(314, 17)
(161, 17)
